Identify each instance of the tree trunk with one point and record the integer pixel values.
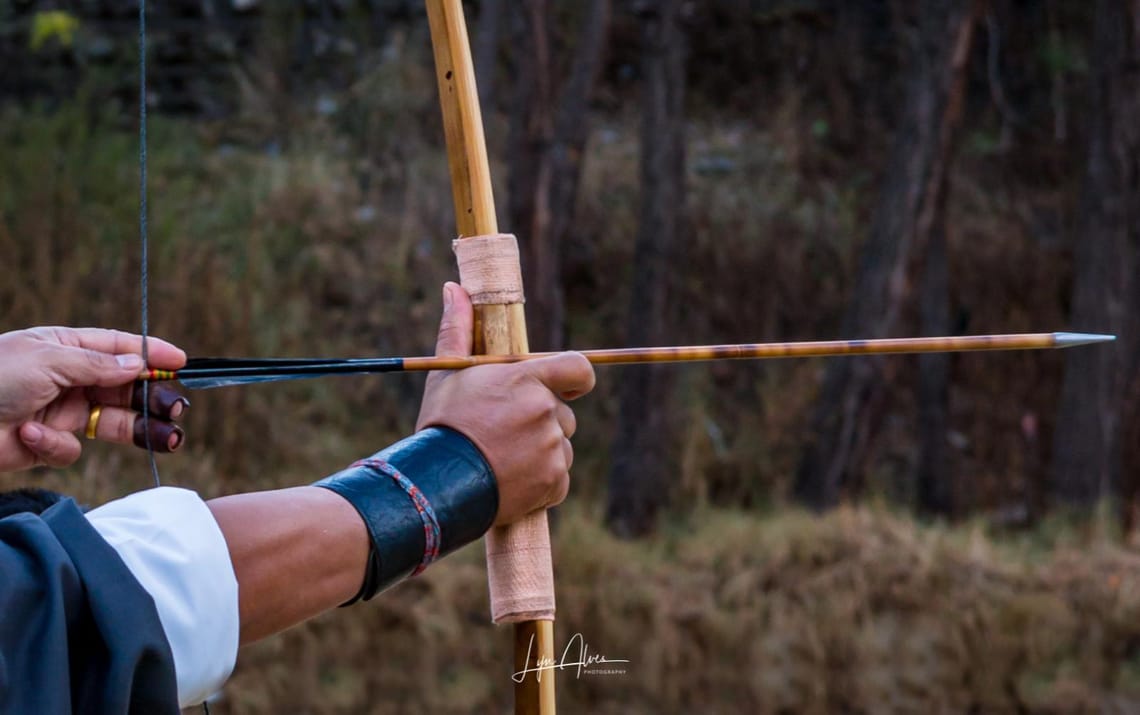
(641, 456)
(571, 132)
(528, 183)
(939, 37)
(547, 139)
(487, 49)
(1087, 447)
(934, 488)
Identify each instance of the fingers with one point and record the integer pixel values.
(568, 452)
(79, 367)
(568, 424)
(165, 436)
(558, 476)
(566, 419)
(123, 426)
(52, 447)
(165, 400)
(160, 354)
(568, 375)
(457, 327)
(83, 357)
(562, 486)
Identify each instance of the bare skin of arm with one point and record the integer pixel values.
(295, 552)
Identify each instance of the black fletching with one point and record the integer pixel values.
(205, 373)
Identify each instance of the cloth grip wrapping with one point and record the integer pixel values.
(489, 268)
(520, 572)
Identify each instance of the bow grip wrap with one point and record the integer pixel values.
(520, 573)
(449, 472)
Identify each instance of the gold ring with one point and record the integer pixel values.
(93, 421)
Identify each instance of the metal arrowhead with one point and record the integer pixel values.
(1068, 340)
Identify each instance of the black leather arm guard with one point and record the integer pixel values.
(421, 499)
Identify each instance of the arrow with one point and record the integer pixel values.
(204, 373)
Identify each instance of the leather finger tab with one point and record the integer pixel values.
(165, 437)
(165, 400)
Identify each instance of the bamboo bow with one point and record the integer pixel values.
(499, 330)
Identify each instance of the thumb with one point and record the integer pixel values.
(568, 375)
(78, 367)
(54, 448)
(457, 327)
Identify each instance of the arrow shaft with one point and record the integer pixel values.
(217, 372)
(763, 351)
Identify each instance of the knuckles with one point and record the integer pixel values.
(550, 405)
(97, 360)
(558, 490)
(125, 430)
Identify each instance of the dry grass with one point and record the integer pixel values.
(860, 612)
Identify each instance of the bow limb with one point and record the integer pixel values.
(519, 569)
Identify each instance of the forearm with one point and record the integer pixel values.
(295, 552)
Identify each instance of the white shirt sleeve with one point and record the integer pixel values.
(169, 540)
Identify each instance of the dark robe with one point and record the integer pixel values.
(77, 631)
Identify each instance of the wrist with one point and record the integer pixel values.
(420, 499)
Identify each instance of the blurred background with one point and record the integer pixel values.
(951, 533)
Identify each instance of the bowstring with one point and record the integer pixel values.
(144, 257)
(144, 254)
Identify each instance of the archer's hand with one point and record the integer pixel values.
(50, 378)
(515, 414)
